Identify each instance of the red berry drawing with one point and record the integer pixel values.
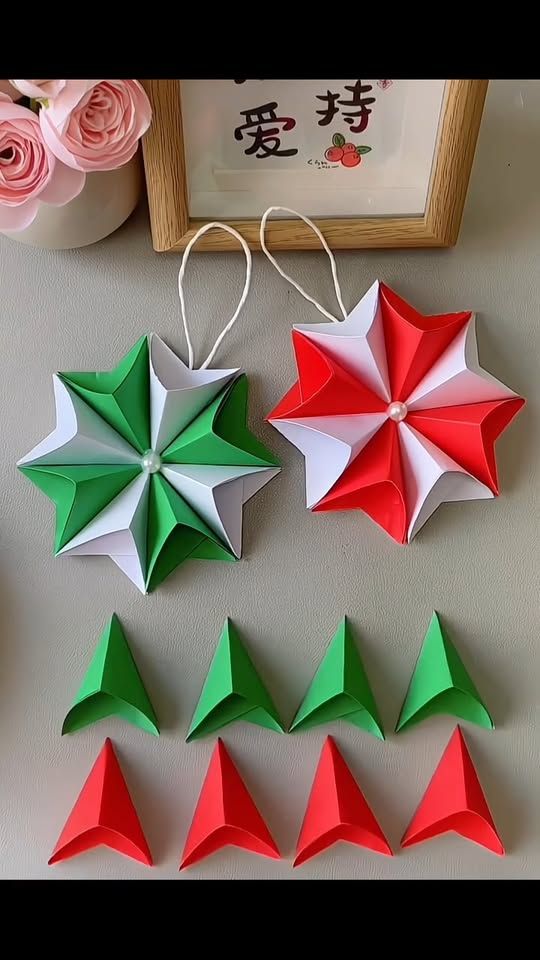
(348, 154)
(334, 154)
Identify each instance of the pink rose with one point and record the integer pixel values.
(39, 89)
(29, 172)
(6, 87)
(96, 124)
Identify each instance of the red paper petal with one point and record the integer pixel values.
(225, 815)
(337, 810)
(374, 483)
(413, 342)
(324, 388)
(103, 814)
(454, 800)
(468, 433)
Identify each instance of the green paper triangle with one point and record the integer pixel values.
(79, 492)
(219, 434)
(232, 691)
(440, 684)
(112, 686)
(121, 396)
(340, 689)
(176, 532)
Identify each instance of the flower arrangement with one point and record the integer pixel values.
(54, 132)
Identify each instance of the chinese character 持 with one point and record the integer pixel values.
(358, 100)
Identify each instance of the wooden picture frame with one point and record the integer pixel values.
(172, 228)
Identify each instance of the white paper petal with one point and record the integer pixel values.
(178, 394)
(329, 445)
(432, 478)
(131, 566)
(118, 531)
(357, 343)
(218, 493)
(80, 435)
(457, 377)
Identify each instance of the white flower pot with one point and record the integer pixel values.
(105, 202)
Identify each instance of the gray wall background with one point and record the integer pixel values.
(476, 563)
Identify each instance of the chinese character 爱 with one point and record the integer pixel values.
(266, 139)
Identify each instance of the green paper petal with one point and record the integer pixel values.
(219, 435)
(176, 532)
(112, 686)
(340, 689)
(340, 707)
(441, 684)
(79, 492)
(233, 690)
(207, 550)
(121, 396)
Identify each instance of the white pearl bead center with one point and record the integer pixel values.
(151, 461)
(397, 411)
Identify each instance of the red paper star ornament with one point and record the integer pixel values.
(393, 413)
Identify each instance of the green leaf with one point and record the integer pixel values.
(362, 150)
(338, 140)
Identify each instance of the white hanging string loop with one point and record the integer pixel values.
(204, 229)
(290, 280)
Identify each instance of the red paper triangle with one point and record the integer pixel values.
(324, 388)
(103, 815)
(467, 433)
(454, 801)
(225, 815)
(413, 342)
(374, 483)
(337, 810)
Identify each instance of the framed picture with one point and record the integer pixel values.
(376, 163)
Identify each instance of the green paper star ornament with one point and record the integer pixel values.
(112, 686)
(150, 463)
(441, 684)
(340, 689)
(232, 691)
